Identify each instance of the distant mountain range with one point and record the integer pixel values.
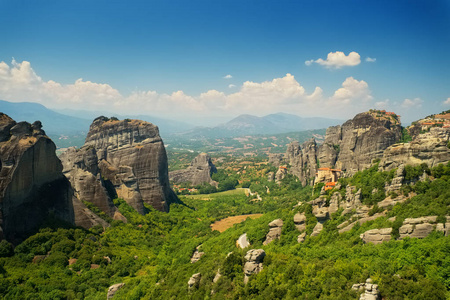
(69, 127)
(253, 125)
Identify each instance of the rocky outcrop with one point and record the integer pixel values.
(430, 148)
(350, 147)
(417, 227)
(32, 185)
(197, 255)
(198, 172)
(80, 166)
(274, 231)
(280, 174)
(254, 263)
(303, 160)
(317, 229)
(275, 159)
(112, 290)
(194, 281)
(131, 164)
(377, 236)
(300, 221)
(371, 291)
(242, 242)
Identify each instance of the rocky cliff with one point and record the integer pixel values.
(32, 185)
(429, 147)
(128, 160)
(198, 172)
(350, 147)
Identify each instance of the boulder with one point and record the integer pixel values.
(197, 255)
(417, 227)
(242, 241)
(317, 229)
(254, 263)
(112, 290)
(377, 236)
(274, 231)
(300, 221)
(371, 291)
(301, 237)
(194, 281)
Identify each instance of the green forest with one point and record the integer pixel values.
(151, 254)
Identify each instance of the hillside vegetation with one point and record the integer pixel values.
(151, 254)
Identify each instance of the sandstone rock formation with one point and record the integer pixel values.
(112, 290)
(300, 221)
(371, 291)
(275, 159)
(197, 255)
(31, 181)
(377, 236)
(417, 227)
(81, 168)
(131, 164)
(274, 231)
(430, 148)
(198, 172)
(254, 263)
(242, 242)
(194, 281)
(350, 147)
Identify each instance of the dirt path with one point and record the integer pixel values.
(226, 223)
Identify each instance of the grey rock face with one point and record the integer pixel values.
(371, 291)
(274, 231)
(132, 158)
(275, 159)
(31, 181)
(300, 221)
(377, 236)
(242, 242)
(417, 227)
(81, 168)
(254, 263)
(112, 290)
(351, 147)
(197, 255)
(198, 172)
(194, 281)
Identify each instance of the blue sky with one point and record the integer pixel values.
(170, 58)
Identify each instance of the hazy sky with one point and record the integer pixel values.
(212, 59)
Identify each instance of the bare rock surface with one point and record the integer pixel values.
(300, 221)
(242, 242)
(317, 229)
(197, 255)
(131, 164)
(198, 172)
(274, 231)
(254, 263)
(31, 180)
(194, 281)
(417, 227)
(430, 148)
(377, 236)
(112, 290)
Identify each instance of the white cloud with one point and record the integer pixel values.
(369, 59)
(19, 82)
(231, 86)
(228, 76)
(352, 89)
(414, 103)
(446, 102)
(382, 104)
(337, 60)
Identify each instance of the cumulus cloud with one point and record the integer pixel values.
(446, 102)
(336, 60)
(228, 76)
(414, 103)
(369, 59)
(352, 89)
(382, 104)
(19, 82)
